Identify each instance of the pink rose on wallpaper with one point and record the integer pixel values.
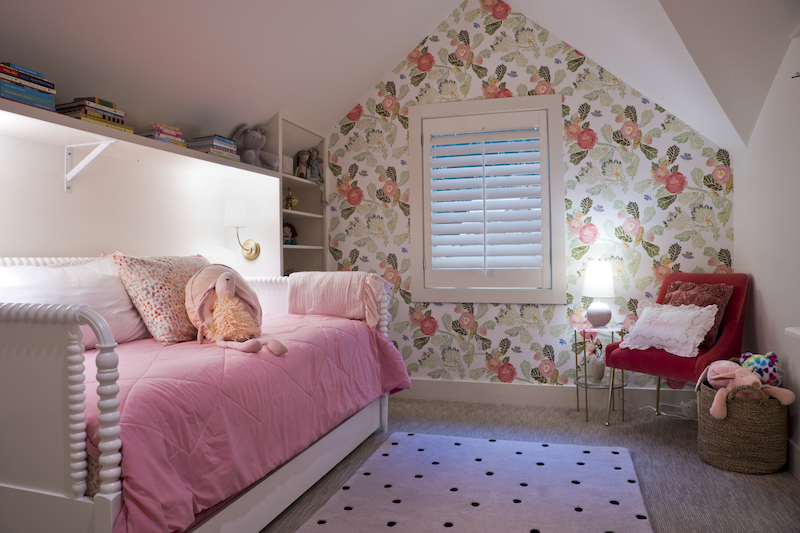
(416, 317)
(389, 102)
(343, 188)
(487, 5)
(631, 226)
(575, 320)
(494, 364)
(588, 233)
(650, 237)
(676, 182)
(722, 174)
(629, 130)
(414, 56)
(563, 380)
(404, 198)
(490, 91)
(587, 138)
(390, 188)
(507, 373)
(404, 111)
(463, 51)
(383, 264)
(537, 356)
(483, 332)
(335, 243)
(619, 118)
(406, 286)
(391, 275)
(543, 87)
(574, 225)
(429, 326)
(661, 271)
(356, 113)
(648, 140)
(504, 93)
(660, 174)
(629, 321)
(722, 269)
(712, 261)
(547, 368)
(334, 159)
(355, 195)
(711, 161)
(501, 10)
(572, 131)
(458, 309)
(467, 320)
(426, 61)
(381, 93)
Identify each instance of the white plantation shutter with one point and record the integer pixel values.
(486, 222)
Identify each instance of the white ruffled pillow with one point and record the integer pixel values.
(677, 330)
(96, 284)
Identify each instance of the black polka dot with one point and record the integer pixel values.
(586, 451)
(421, 450)
(387, 486)
(391, 524)
(386, 455)
(410, 434)
(614, 502)
(519, 453)
(321, 522)
(395, 443)
(475, 504)
(517, 501)
(492, 440)
(435, 463)
(418, 476)
(367, 473)
(448, 524)
(348, 508)
(641, 517)
(540, 464)
(631, 481)
(534, 531)
(545, 445)
(523, 484)
(617, 468)
(478, 459)
(395, 501)
(457, 444)
(454, 489)
(576, 482)
(615, 453)
(579, 509)
(489, 473)
(581, 464)
(345, 488)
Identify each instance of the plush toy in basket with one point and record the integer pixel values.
(728, 377)
(225, 310)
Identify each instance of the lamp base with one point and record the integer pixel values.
(598, 314)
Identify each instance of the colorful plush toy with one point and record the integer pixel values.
(741, 377)
(766, 366)
(225, 310)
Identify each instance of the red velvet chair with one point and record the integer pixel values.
(660, 363)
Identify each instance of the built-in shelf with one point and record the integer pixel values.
(793, 332)
(301, 247)
(289, 213)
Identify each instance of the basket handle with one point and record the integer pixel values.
(752, 386)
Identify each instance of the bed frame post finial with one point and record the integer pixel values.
(77, 412)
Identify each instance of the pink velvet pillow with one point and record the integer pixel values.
(157, 287)
(701, 295)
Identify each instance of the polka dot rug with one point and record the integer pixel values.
(424, 483)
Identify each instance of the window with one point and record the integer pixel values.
(489, 183)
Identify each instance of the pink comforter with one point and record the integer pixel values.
(201, 423)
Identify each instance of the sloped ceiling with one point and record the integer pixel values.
(208, 66)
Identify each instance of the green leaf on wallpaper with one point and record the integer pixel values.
(709, 152)
(447, 320)
(522, 90)
(397, 153)
(684, 235)
(548, 352)
(477, 40)
(698, 241)
(405, 295)
(643, 283)
(647, 116)
(509, 57)
(650, 152)
(674, 251)
(551, 51)
(453, 60)
(505, 344)
(417, 79)
(336, 169)
(673, 152)
(513, 332)
(583, 110)
(491, 28)
(666, 201)
(346, 212)
(464, 87)
(651, 249)
(723, 157)
(729, 233)
(579, 252)
(574, 64)
(557, 330)
(649, 213)
(463, 37)
(586, 204)
(525, 367)
(407, 351)
(403, 119)
(697, 176)
(634, 262)
(442, 27)
(346, 128)
(402, 92)
(620, 234)
(544, 73)
(724, 214)
(607, 131)
(360, 157)
(421, 342)
(525, 337)
(436, 374)
(709, 182)
(477, 373)
(412, 368)
(633, 209)
(724, 257)
(500, 71)
(469, 356)
(371, 106)
(335, 253)
(405, 208)
(569, 90)
(641, 186)
(682, 138)
(479, 70)
(630, 113)
(521, 60)
(558, 77)
(593, 95)
(400, 238)
(577, 157)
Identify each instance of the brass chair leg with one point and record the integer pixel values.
(658, 394)
(610, 395)
(622, 386)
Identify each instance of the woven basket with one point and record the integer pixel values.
(752, 439)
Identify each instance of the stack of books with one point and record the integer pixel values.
(26, 86)
(97, 111)
(163, 133)
(215, 145)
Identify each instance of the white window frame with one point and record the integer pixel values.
(553, 290)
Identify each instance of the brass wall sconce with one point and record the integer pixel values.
(236, 217)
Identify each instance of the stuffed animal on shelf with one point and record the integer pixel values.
(249, 143)
(226, 311)
(301, 164)
(766, 366)
(289, 234)
(314, 166)
(740, 377)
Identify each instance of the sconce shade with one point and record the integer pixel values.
(599, 281)
(235, 214)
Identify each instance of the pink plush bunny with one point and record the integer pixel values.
(747, 383)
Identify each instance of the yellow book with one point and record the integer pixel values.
(93, 120)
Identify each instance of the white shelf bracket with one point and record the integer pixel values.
(69, 171)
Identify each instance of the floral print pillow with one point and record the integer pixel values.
(157, 287)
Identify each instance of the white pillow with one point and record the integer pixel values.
(677, 330)
(96, 284)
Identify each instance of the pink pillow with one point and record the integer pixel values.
(157, 287)
(701, 295)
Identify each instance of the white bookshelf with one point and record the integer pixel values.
(285, 137)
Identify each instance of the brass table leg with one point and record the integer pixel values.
(610, 395)
(658, 394)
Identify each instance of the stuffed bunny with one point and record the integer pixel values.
(747, 384)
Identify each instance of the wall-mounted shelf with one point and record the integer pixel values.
(793, 332)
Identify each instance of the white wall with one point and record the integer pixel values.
(140, 209)
(767, 178)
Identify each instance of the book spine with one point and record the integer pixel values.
(167, 137)
(20, 81)
(216, 143)
(101, 122)
(103, 108)
(47, 98)
(223, 153)
(25, 97)
(97, 100)
(209, 138)
(94, 113)
(26, 70)
(15, 99)
(5, 69)
(172, 130)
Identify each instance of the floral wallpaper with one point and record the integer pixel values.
(643, 190)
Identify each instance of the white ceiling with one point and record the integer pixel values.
(209, 66)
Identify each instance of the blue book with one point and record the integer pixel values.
(212, 137)
(13, 99)
(23, 69)
(32, 93)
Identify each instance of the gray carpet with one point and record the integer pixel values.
(417, 483)
(680, 491)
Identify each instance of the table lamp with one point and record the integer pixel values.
(599, 283)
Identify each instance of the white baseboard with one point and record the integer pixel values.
(535, 395)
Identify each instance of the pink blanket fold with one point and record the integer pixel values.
(355, 295)
(201, 423)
